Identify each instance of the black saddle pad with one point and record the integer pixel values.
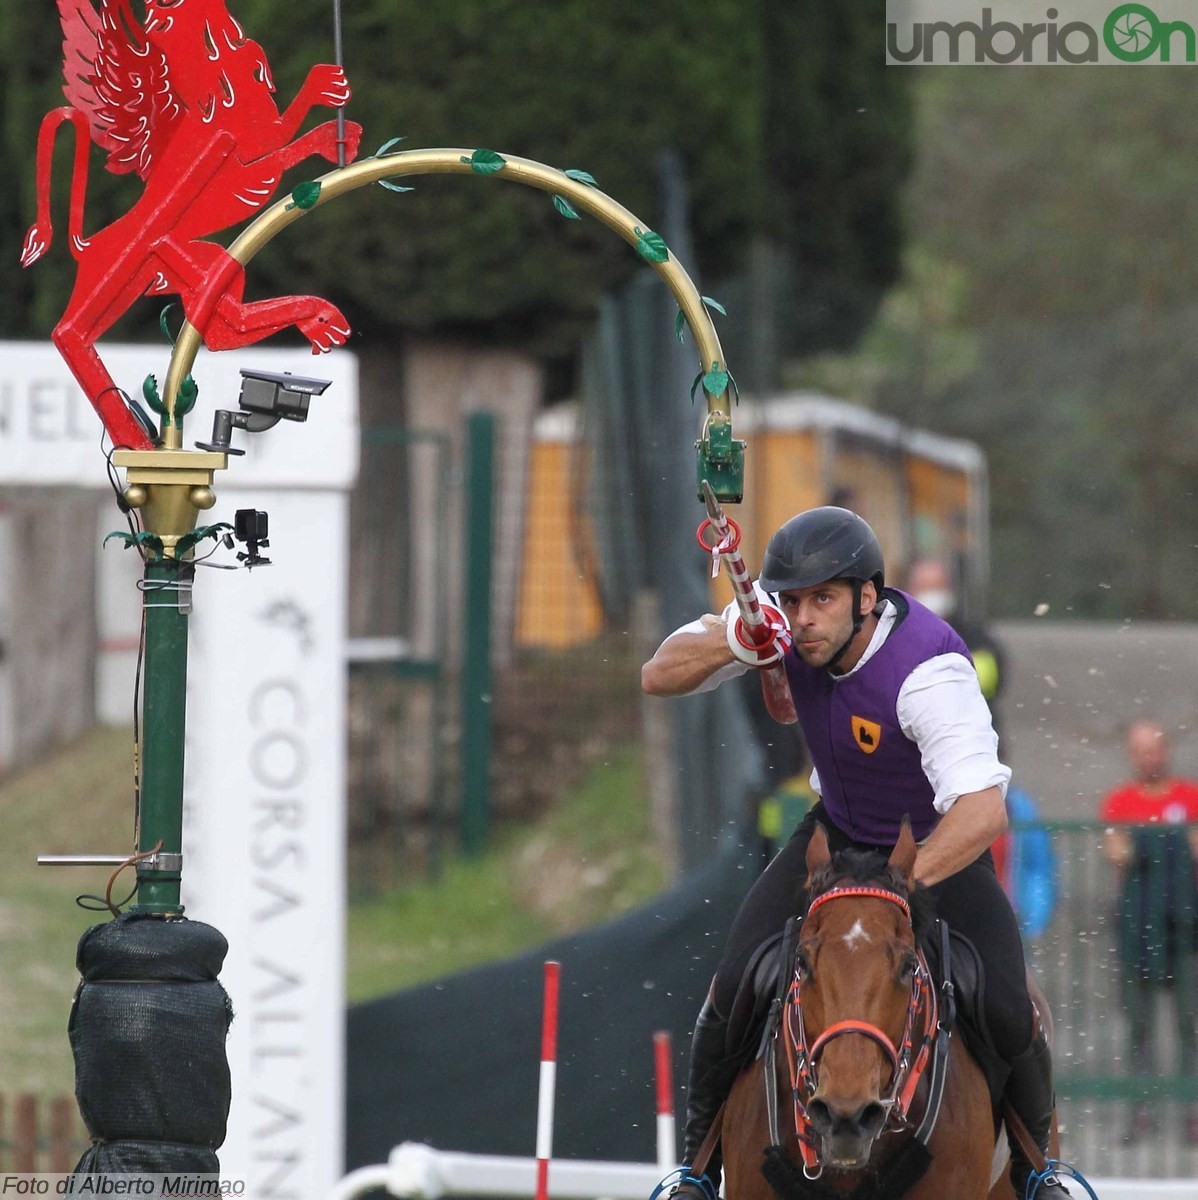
(969, 992)
(763, 981)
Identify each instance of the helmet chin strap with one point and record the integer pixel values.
(858, 621)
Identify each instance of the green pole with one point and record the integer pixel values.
(475, 670)
(164, 706)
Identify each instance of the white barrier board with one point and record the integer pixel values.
(419, 1172)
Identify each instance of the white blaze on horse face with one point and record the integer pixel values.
(855, 935)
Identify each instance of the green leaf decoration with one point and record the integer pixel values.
(145, 538)
(581, 176)
(149, 389)
(188, 540)
(149, 541)
(305, 195)
(185, 401)
(166, 333)
(680, 319)
(485, 162)
(564, 207)
(651, 246)
(715, 382)
(695, 383)
(382, 152)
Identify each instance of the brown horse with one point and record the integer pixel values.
(856, 1059)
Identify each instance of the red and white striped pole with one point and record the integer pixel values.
(667, 1154)
(548, 1078)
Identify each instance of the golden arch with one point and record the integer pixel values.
(447, 161)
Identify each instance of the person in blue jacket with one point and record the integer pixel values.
(1031, 866)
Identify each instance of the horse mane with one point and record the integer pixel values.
(870, 867)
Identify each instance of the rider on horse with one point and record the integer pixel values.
(896, 726)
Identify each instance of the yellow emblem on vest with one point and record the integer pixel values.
(867, 734)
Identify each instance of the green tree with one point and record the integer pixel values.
(603, 87)
(837, 148)
(574, 84)
(1046, 311)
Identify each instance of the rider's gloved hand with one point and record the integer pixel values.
(740, 641)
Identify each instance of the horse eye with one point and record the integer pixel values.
(802, 965)
(907, 968)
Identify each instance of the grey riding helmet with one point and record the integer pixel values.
(818, 545)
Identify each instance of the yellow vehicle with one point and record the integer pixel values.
(925, 495)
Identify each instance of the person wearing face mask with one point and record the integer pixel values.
(931, 583)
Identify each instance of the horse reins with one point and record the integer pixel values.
(907, 1060)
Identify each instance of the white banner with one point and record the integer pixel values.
(50, 434)
(264, 835)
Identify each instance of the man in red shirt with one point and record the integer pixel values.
(1153, 856)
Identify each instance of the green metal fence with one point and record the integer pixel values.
(400, 779)
(1089, 971)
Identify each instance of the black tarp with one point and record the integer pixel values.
(147, 1030)
(455, 1063)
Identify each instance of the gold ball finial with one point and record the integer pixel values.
(201, 498)
(135, 495)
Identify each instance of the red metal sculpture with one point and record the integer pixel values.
(185, 102)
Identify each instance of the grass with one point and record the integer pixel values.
(79, 801)
(588, 858)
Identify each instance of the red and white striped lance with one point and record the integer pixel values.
(726, 549)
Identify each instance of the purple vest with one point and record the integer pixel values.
(870, 772)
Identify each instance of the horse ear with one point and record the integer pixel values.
(902, 857)
(818, 854)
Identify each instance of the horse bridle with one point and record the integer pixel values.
(907, 1061)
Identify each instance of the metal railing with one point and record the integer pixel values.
(1082, 960)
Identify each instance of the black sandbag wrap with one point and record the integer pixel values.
(147, 1029)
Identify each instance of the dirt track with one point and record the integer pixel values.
(1071, 687)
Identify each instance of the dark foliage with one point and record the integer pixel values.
(787, 123)
(837, 148)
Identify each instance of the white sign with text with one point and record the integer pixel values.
(264, 836)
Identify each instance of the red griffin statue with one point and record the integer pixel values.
(186, 102)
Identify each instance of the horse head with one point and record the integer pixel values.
(858, 998)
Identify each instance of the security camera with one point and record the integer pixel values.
(267, 397)
(279, 394)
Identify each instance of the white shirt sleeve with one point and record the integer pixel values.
(734, 668)
(941, 709)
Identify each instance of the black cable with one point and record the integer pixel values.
(132, 517)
